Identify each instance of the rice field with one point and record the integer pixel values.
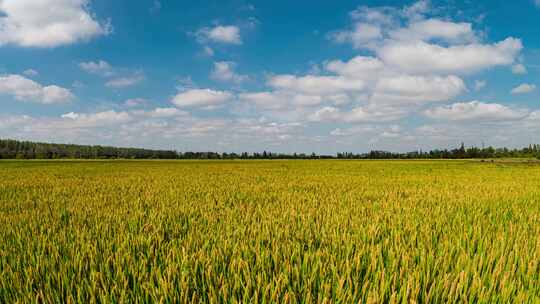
(269, 232)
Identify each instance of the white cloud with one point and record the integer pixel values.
(119, 120)
(112, 118)
(479, 84)
(100, 67)
(414, 61)
(166, 113)
(374, 90)
(31, 73)
(429, 29)
(411, 58)
(135, 102)
(524, 89)
(476, 111)
(221, 34)
(224, 71)
(356, 115)
(201, 98)
(356, 130)
(157, 128)
(416, 10)
(56, 94)
(84, 120)
(124, 82)
(375, 26)
(123, 77)
(519, 68)
(362, 36)
(409, 42)
(406, 89)
(375, 15)
(281, 100)
(266, 100)
(14, 121)
(422, 57)
(51, 23)
(367, 114)
(421, 88)
(265, 129)
(316, 85)
(327, 114)
(360, 67)
(24, 89)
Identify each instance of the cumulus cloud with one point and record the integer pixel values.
(52, 23)
(135, 102)
(364, 35)
(201, 98)
(229, 34)
(386, 93)
(374, 26)
(360, 67)
(166, 113)
(31, 73)
(422, 57)
(14, 121)
(291, 95)
(524, 88)
(311, 84)
(367, 114)
(356, 130)
(406, 89)
(112, 118)
(265, 100)
(410, 60)
(91, 120)
(282, 100)
(126, 81)
(152, 128)
(24, 89)
(356, 115)
(479, 84)
(476, 111)
(225, 71)
(383, 15)
(99, 67)
(519, 69)
(430, 29)
(417, 10)
(118, 78)
(405, 39)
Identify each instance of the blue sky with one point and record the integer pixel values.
(285, 76)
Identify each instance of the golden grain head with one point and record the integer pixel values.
(269, 232)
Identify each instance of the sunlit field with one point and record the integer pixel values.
(269, 231)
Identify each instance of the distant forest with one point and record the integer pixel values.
(13, 149)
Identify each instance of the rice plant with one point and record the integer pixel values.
(269, 232)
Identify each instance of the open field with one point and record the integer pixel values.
(269, 231)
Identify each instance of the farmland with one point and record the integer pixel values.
(269, 231)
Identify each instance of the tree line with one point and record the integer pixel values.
(13, 149)
(532, 151)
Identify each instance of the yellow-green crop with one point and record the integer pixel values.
(269, 232)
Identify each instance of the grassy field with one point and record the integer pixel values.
(269, 231)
